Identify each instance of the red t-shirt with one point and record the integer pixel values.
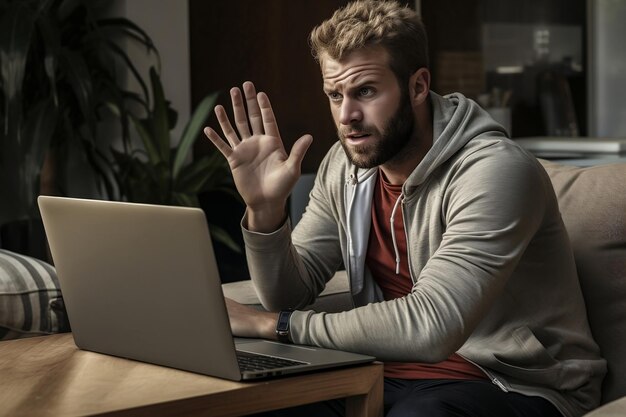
(381, 261)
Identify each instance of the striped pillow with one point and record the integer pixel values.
(30, 298)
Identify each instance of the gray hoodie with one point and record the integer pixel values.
(493, 273)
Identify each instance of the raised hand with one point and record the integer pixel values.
(263, 171)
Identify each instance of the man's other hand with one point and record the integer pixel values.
(249, 322)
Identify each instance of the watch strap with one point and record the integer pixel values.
(282, 326)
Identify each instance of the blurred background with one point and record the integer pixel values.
(542, 68)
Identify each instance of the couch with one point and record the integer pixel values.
(593, 205)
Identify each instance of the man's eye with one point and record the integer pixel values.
(365, 91)
(334, 96)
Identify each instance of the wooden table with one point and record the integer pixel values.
(50, 376)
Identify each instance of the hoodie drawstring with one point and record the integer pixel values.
(393, 232)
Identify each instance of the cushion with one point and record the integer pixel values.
(593, 206)
(615, 408)
(30, 297)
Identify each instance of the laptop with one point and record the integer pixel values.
(141, 282)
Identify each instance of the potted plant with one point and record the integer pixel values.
(59, 70)
(159, 173)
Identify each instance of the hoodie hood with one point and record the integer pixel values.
(456, 121)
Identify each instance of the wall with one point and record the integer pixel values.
(167, 23)
(494, 47)
(607, 66)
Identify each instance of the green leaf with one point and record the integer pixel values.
(67, 7)
(193, 177)
(172, 116)
(75, 69)
(220, 173)
(192, 129)
(183, 199)
(117, 108)
(130, 29)
(16, 29)
(137, 180)
(106, 174)
(203, 174)
(160, 125)
(51, 37)
(222, 236)
(146, 138)
(19, 172)
(136, 98)
(117, 50)
(38, 129)
(44, 6)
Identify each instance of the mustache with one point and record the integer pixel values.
(343, 131)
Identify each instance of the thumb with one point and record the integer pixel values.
(298, 151)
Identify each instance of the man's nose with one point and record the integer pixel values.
(350, 112)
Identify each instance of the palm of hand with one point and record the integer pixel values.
(263, 171)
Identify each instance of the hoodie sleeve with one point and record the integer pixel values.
(291, 270)
(492, 205)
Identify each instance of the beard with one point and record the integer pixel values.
(395, 136)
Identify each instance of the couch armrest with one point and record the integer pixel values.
(615, 408)
(335, 297)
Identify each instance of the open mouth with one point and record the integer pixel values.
(356, 136)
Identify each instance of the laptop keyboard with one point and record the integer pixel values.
(255, 362)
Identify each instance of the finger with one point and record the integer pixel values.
(239, 109)
(298, 151)
(218, 142)
(254, 112)
(227, 128)
(269, 120)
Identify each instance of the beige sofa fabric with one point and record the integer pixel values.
(615, 408)
(593, 205)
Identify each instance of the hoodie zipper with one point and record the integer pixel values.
(406, 237)
(399, 201)
(352, 182)
(499, 384)
(493, 379)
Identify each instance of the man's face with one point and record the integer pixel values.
(373, 115)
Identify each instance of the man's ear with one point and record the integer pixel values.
(419, 86)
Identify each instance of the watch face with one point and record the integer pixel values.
(283, 321)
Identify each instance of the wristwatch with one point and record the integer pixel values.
(282, 326)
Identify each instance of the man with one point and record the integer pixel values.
(460, 268)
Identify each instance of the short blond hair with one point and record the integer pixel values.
(374, 23)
